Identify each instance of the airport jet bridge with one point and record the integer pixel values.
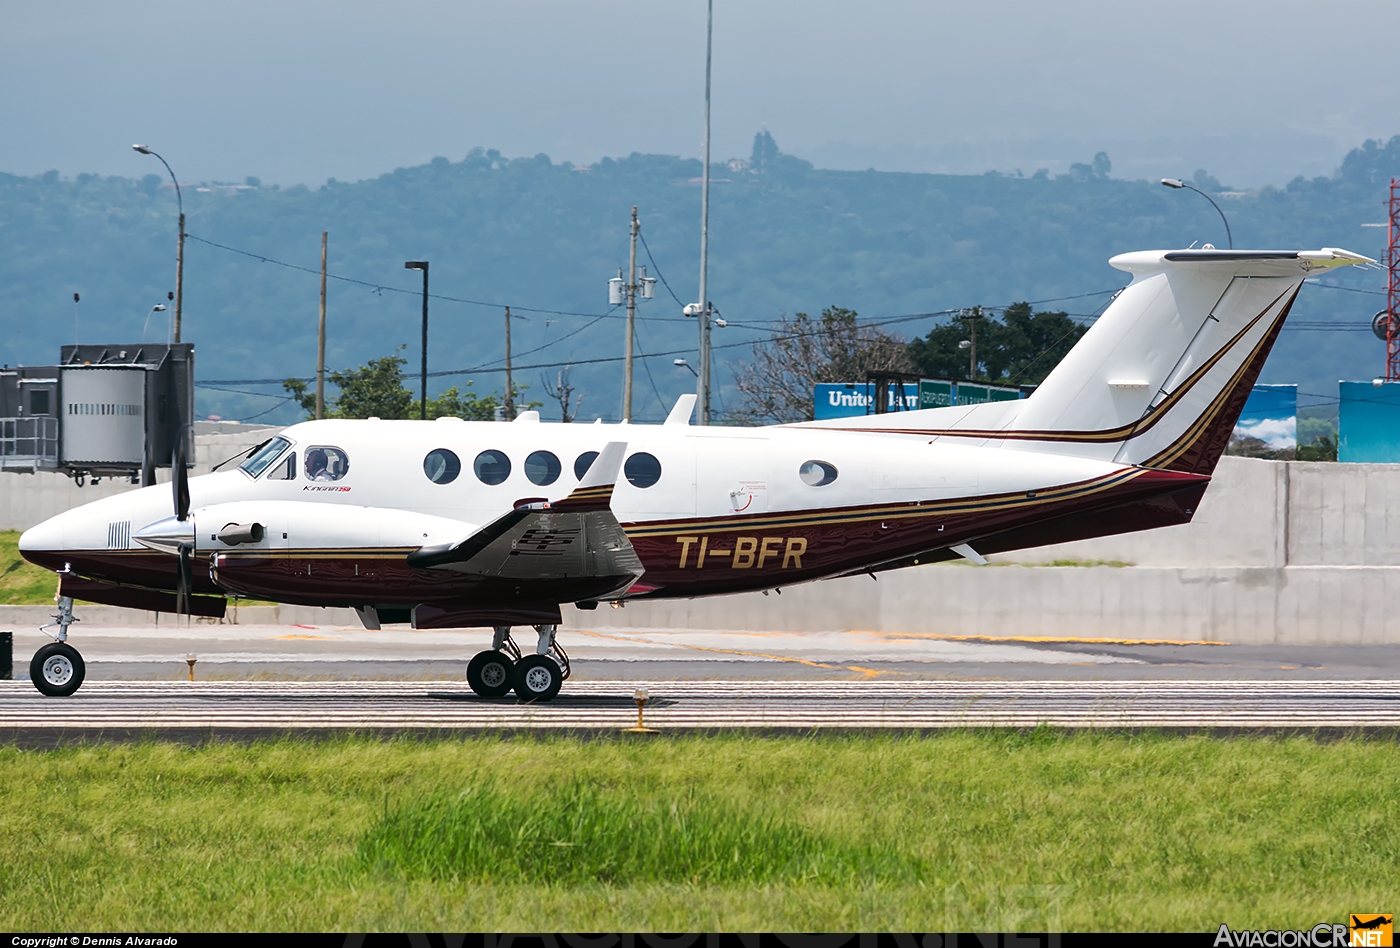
(103, 411)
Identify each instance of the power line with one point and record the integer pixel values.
(657, 268)
(381, 287)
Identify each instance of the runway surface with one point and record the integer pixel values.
(226, 651)
(117, 708)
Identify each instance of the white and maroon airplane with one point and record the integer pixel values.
(453, 524)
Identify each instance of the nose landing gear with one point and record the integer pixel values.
(57, 669)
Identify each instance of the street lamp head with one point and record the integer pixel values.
(415, 264)
(142, 149)
(965, 344)
(158, 308)
(679, 362)
(1173, 183)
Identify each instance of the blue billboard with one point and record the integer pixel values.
(845, 399)
(1368, 422)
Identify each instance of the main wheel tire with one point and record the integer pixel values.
(57, 670)
(491, 674)
(537, 678)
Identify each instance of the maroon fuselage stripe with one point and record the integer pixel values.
(684, 557)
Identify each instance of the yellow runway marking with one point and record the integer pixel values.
(329, 638)
(867, 672)
(1048, 639)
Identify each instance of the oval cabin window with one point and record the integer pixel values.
(442, 466)
(642, 469)
(817, 473)
(583, 462)
(542, 468)
(492, 467)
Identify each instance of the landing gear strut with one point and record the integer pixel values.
(57, 669)
(538, 677)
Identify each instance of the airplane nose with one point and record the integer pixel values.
(166, 535)
(43, 537)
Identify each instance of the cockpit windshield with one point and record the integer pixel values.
(268, 453)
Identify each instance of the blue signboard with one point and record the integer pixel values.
(1369, 422)
(844, 399)
(1271, 416)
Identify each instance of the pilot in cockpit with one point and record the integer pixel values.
(316, 466)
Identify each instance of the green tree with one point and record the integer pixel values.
(1018, 348)
(377, 390)
(777, 384)
(466, 405)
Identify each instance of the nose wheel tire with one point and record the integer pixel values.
(57, 670)
(537, 678)
(491, 674)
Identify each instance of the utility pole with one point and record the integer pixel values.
(321, 339)
(631, 322)
(179, 277)
(625, 291)
(972, 316)
(75, 319)
(423, 382)
(509, 405)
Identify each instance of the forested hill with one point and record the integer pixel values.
(784, 238)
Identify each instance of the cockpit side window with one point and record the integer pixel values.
(264, 456)
(324, 463)
(284, 470)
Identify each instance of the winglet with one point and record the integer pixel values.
(684, 408)
(594, 491)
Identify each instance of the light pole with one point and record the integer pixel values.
(702, 310)
(158, 308)
(180, 248)
(423, 383)
(1178, 183)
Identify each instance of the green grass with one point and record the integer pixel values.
(953, 832)
(21, 582)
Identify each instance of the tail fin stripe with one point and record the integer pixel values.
(1247, 372)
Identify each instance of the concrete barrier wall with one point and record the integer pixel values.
(1266, 513)
(1296, 605)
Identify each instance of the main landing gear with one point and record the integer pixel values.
(57, 669)
(537, 677)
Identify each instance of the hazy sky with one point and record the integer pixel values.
(1254, 91)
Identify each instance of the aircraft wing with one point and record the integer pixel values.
(574, 538)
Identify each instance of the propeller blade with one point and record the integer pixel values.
(184, 580)
(180, 479)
